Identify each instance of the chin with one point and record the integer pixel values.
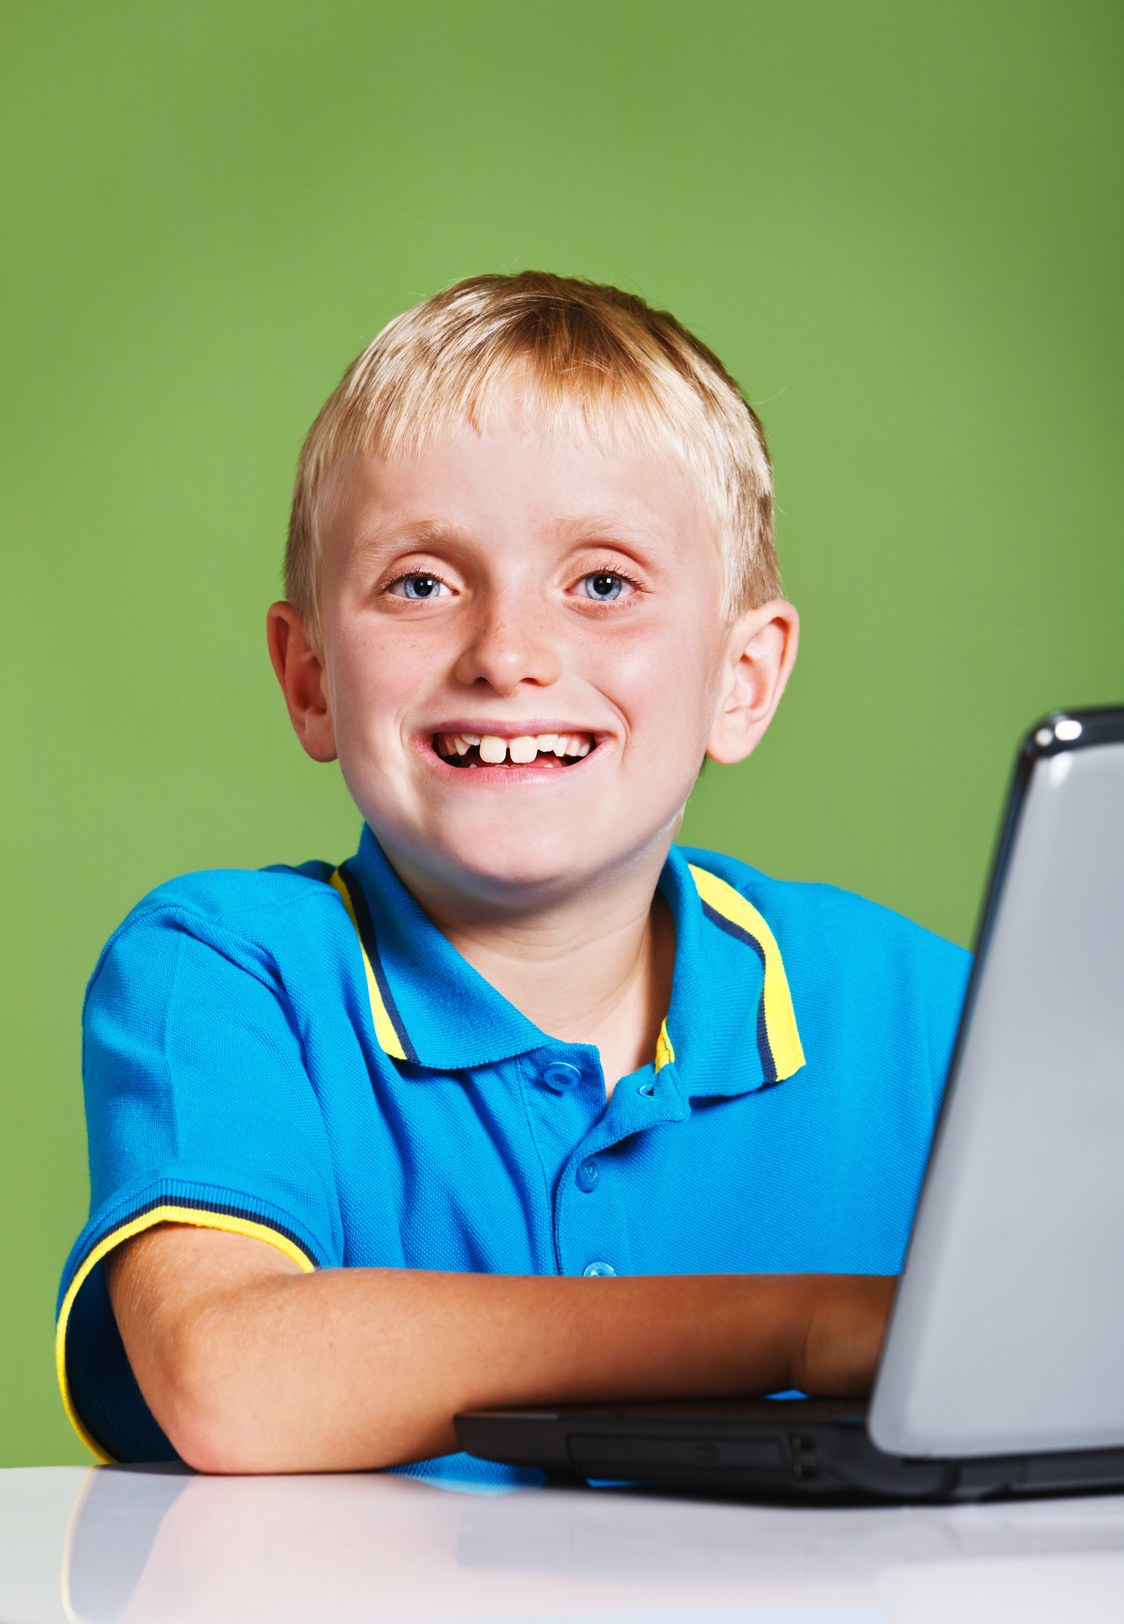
(504, 862)
(511, 860)
(515, 870)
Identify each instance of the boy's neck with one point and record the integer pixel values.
(593, 970)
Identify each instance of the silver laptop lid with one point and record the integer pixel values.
(1008, 1329)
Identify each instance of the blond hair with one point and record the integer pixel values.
(625, 369)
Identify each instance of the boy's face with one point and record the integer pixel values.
(517, 586)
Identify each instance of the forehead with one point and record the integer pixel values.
(511, 480)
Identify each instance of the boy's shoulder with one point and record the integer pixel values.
(819, 922)
(234, 895)
(261, 907)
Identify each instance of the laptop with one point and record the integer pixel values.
(1003, 1367)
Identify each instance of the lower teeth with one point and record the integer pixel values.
(472, 758)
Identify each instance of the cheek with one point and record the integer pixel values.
(370, 681)
(666, 688)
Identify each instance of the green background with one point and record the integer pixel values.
(898, 224)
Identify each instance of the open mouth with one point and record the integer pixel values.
(528, 749)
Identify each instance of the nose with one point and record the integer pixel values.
(509, 643)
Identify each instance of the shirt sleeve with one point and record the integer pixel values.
(949, 972)
(199, 1110)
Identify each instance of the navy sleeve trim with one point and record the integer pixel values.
(162, 1210)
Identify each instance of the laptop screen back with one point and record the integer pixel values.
(1008, 1330)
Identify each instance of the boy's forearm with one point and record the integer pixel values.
(263, 1370)
(363, 1368)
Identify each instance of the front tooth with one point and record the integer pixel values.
(493, 750)
(522, 749)
(545, 742)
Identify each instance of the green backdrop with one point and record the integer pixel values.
(898, 224)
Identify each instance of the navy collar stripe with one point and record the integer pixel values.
(391, 1033)
(778, 1037)
(768, 1063)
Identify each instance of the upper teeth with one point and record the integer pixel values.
(494, 749)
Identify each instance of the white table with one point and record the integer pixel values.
(145, 1546)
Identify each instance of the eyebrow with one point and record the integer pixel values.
(599, 524)
(623, 522)
(413, 535)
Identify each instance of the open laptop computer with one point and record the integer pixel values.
(1003, 1368)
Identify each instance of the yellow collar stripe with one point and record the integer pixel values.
(384, 1027)
(780, 1017)
(172, 1213)
(665, 1054)
(389, 1040)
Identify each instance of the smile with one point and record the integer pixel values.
(490, 750)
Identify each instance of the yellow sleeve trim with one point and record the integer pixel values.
(384, 1026)
(202, 1219)
(780, 1017)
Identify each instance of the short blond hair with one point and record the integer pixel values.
(627, 370)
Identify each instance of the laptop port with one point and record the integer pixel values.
(804, 1466)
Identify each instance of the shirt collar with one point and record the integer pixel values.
(435, 1007)
(730, 1026)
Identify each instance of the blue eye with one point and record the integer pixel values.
(420, 587)
(604, 587)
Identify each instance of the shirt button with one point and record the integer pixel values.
(588, 1174)
(593, 1270)
(560, 1076)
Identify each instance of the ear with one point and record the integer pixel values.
(760, 654)
(300, 671)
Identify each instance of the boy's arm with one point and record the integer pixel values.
(251, 1366)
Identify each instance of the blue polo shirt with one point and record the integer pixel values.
(300, 1055)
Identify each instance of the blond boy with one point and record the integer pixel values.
(522, 1103)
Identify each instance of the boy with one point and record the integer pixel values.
(522, 1104)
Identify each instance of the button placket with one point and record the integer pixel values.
(589, 1224)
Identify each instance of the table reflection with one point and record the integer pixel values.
(159, 1547)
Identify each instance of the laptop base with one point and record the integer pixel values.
(807, 1449)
